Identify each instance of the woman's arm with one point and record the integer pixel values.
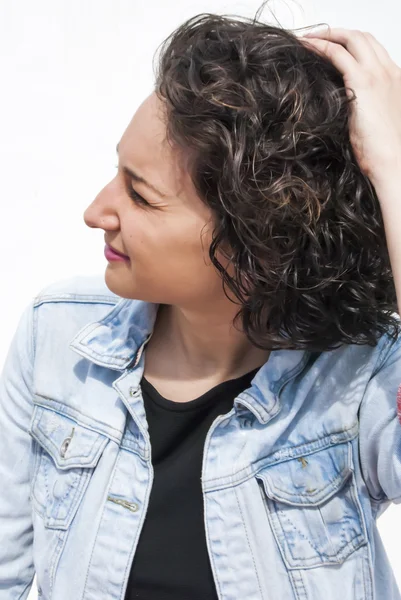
(375, 120)
(16, 530)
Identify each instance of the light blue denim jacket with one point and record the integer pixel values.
(294, 476)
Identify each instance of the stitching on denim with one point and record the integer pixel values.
(111, 318)
(212, 560)
(33, 334)
(301, 450)
(369, 570)
(55, 557)
(92, 448)
(359, 537)
(138, 532)
(71, 413)
(80, 479)
(279, 384)
(296, 577)
(72, 298)
(294, 584)
(340, 478)
(329, 537)
(35, 449)
(281, 516)
(363, 583)
(46, 459)
(81, 475)
(205, 520)
(355, 497)
(389, 344)
(343, 533)
(247, 538)
(100, 522)
(274, 521)
(117, 360)
(297, 370)
(339, 554)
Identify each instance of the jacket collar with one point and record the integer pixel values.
(116, 341)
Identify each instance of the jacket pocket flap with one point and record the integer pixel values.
(70, 444)
(310, 479)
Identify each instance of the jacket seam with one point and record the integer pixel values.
(69, 298)
(216, 484)
(91, 427)
(247, 539)
(387, 346)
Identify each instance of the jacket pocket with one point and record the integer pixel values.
(66, 455)
(313, 508)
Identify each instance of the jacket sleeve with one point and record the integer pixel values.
(380, 427)
(16, 532)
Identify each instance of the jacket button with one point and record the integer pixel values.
(133, 391)
(64, 446)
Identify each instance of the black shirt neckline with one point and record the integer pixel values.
(225, 386)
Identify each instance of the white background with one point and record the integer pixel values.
(72, 75)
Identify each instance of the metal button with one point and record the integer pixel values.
(66, 443)
(133, 391)
(132, 506)
(64, 446)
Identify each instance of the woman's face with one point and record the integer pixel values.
(167, 263)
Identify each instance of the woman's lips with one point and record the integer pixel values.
(112, 254)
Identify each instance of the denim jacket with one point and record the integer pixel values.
(294, 477)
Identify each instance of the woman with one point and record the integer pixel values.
(218, 418)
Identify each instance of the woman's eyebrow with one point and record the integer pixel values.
(140, 179)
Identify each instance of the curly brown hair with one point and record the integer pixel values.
(264, 119)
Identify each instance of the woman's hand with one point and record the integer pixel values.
(375, 119)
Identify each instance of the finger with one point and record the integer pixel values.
(338, 55)
(355, 42)
(381, 53)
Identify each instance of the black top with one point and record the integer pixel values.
(171, 561)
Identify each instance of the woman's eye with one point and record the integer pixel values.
(135, 196)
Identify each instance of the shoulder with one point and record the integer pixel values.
(389, 348)
(63, 307)
(77, 289)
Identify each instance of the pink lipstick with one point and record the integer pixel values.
(110, 254)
